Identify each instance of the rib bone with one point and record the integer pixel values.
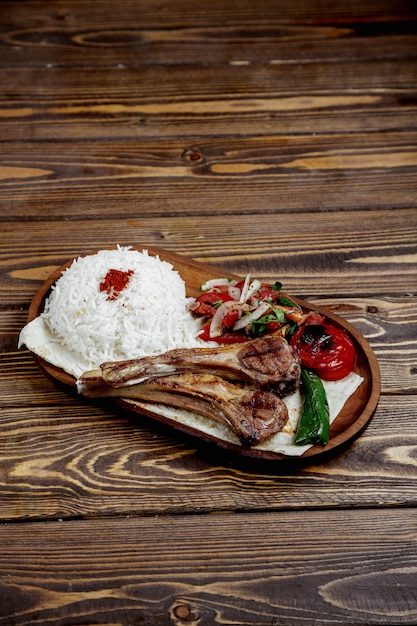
(252, 414)
(265, 362)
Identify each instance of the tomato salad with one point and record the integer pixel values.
(236, 311)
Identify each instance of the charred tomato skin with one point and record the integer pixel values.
(325, 349)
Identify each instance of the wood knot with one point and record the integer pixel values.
(372, 309)
(193, 156)
(185, 613)
(182, 611)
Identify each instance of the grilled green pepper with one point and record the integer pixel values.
(314, 424)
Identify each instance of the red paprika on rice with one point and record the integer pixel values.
(114, 282)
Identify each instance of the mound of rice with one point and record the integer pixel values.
(82, 327)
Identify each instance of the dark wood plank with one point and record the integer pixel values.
(74, 460)
(275, 140)
(339, 567)
(22, 383)
(235, 100)
(313, 254)
(162, 14)
(163, 86)
(105, 179)
(135, 46)
(276, 115)
(145, 35)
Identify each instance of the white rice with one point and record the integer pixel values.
(149, 316)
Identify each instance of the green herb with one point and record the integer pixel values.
(314, 425)
(290, 330)
(284, 300)
(259, 325)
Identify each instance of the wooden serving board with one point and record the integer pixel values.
(351, 421)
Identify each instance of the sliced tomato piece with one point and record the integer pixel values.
(230, 318)
(227, 338)
(271, 326)
(207, 303)
(224, 338)
(223, 289)
(266, 294)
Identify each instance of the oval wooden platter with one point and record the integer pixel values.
(350, 422)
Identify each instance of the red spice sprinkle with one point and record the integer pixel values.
(114, 282)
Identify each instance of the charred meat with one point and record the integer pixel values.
(267, 362)
(253, 414)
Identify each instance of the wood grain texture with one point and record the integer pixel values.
(285, 116)
(272, 138)
(181, 178)
(314, 255)
(220, 108)
(71, 460)
(157, 33)
(321, 109)
(350, 568)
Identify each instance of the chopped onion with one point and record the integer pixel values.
(253, 288)
(234, 292)
(254, 302)
(194, 305)
(244, 293)
(217, 282)
(216, 324)
(249, 288)
(246, 320)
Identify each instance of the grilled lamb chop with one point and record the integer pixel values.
(252, 414)
(265, 362)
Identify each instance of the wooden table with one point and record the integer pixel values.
(271, 137)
